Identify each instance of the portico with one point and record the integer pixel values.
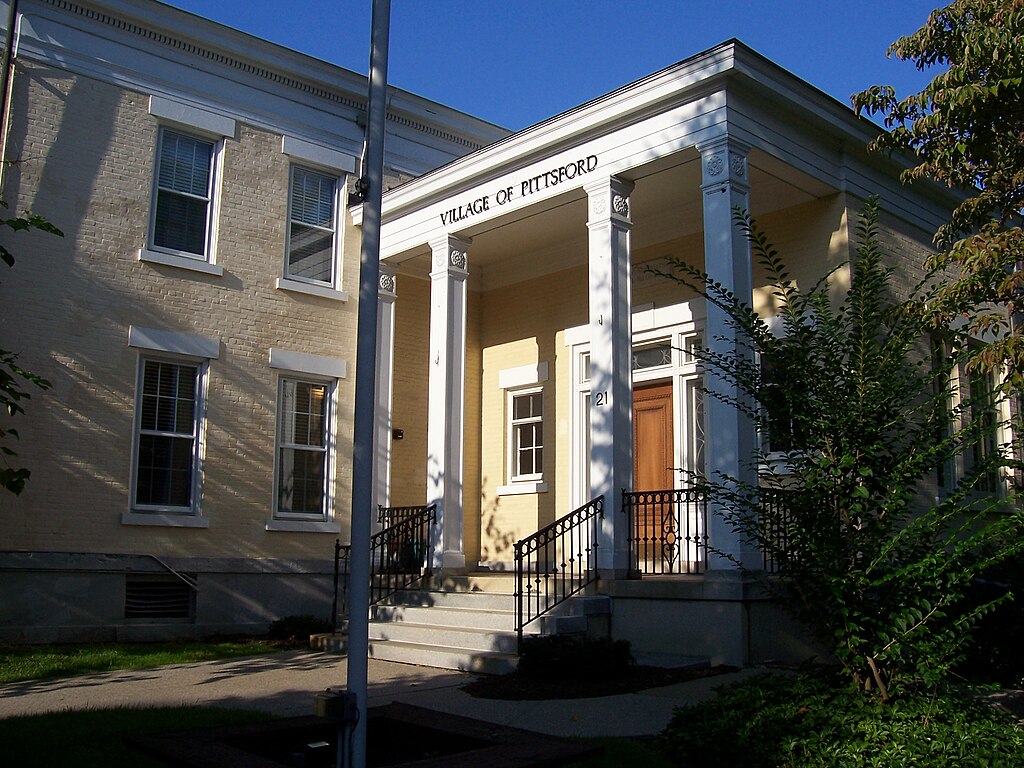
(526, 270)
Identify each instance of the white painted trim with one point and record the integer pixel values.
(196, 264)
(300, 362)
(649, 318)
(523, 488)
(183, 520)
(173, 341)
(307, 151)
(303, 526)
(190, 116)
(310, 289)
(523, 375)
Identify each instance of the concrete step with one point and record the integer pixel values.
(442, 657)
(444, 616)
(448, 637)
(484, 601)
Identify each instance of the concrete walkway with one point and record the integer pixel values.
(285, 683)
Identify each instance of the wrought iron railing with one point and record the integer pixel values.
(400, 552)
(775, 523)
(667, 530)
(555, 563)
(342, 553)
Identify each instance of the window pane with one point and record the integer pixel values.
(310, 253)
(301, 481)
(164, 471)
(180, 223)
(526, 406)
(652, 356)
(303, 413)
(185, 164)
(168, 397)
(312, 199)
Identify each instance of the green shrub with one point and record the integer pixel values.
(994, 656)
(814, 721)
(297, 628)
(568, 657)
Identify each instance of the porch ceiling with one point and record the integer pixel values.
(666, 204)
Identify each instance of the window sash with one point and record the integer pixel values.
(312, 227)
(167, 435)
(526, 426)
(302, 448)
(184, 191)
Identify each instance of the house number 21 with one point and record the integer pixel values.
(600, 399)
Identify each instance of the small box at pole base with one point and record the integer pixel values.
(339, 706)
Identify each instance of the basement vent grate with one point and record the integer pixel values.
(156, 598)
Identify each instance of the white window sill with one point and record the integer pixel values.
(164, 519)
(520, 489)
(304, 526)
(181, 262)
(323, 291)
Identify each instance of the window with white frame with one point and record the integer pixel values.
(312, 227)
(168, 423)
(303, 464)
(983, 413)
(526, 434)
(182, 209)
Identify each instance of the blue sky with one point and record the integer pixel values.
(516, 62)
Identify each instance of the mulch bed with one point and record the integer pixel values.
(518, 687)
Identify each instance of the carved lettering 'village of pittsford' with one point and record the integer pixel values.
(525, 188)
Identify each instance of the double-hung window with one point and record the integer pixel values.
(167, 435)
(182, 211)
(303, 465)
(312, 227)
(523, 392)
(526, 451)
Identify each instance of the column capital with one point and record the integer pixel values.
(387, 287)
(724, 161)
(449, 255)
(609, 200)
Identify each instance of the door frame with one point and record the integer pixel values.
(682, 326)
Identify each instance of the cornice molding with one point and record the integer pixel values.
(189, 48)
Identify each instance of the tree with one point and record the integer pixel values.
(858, 421)
(13, 378)
(965, 129)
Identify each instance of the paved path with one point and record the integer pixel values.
(285, 684)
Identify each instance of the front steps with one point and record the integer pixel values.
(463, 622)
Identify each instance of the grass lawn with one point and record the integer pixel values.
(94, 739)
(33, 662)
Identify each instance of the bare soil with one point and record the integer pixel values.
(518, 687)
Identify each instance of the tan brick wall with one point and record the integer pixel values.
(85, 155)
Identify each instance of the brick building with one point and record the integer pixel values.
(197, 322)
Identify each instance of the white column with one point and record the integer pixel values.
(611, 389)
(386, 296)
(730, 435)
(446, 396)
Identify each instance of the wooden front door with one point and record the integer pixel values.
(653, 526)
(653, 449)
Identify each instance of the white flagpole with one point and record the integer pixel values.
(366, 357)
